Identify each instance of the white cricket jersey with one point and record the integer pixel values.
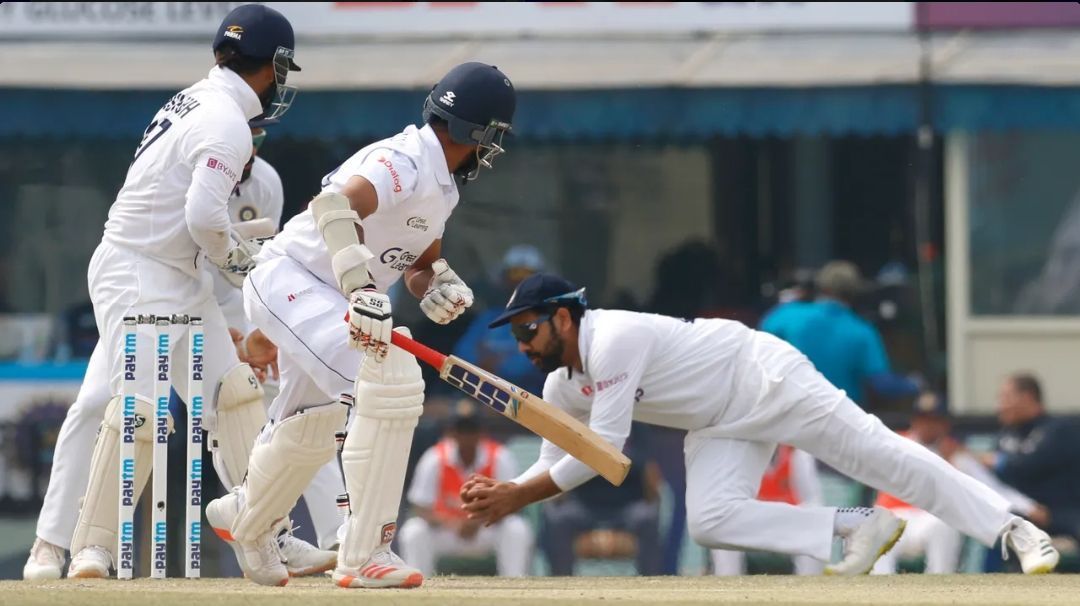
(259, 197)
(416, 196)
(654, 369)
(173, 202)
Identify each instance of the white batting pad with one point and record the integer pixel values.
(239, 416)
(282, 467)
(99, 515)
(389, 401)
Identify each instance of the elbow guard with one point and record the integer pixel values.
(337, 222)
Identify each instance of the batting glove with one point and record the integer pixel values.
(447, 296)
(370, 323)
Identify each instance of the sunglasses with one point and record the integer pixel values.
(524, 333)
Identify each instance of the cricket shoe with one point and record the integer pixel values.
(46, 562)
(302, 558)
(872, 539)
(1037, 555)
(92, 562)
(261, 559)
(383, 569)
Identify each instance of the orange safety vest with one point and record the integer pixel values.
(776, 483)
(452, 478)
(888, 501)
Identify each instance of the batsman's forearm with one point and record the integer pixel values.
(417, 281)
(540, 488)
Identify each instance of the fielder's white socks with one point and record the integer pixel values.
(849, 518)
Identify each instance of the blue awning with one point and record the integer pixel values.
(625, 114)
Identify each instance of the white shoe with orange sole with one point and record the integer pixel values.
(261, 559)
(383, 569)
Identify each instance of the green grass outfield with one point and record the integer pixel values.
(878, 591)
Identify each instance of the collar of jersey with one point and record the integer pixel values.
(237, 89)
(435, 152)
(585, 330)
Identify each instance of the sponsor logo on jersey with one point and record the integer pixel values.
(448, 98)
(214, 164)
(603, 384)
(393, 172)
(608, 383)
(419, 223)
(296, 295)
(234, 31)
(398, 259)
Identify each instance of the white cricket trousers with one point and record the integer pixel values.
(725, 463)
(511, 540)
(124, 283)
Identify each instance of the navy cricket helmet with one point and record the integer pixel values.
(477, 102)
(260, 32)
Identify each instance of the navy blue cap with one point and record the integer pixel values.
(931, 403)
(257, 31)
(539, 291)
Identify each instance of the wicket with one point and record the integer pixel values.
(193, 468)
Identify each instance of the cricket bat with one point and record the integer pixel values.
(545, 420)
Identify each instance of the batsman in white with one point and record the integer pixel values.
(380, 217)
(738, 392)
(168, 219)
(255, 208)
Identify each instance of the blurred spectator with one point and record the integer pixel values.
(846, 348)
(792, 477)
(926, 534)
(440, 527)
(496, 350)
(1038, 455)
(617, 512)
(792, 301)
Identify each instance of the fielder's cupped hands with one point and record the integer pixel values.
(488, 501)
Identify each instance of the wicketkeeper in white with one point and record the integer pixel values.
(738, 392)
(380, 217)
(169, 218)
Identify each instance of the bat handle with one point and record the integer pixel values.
(421, 351)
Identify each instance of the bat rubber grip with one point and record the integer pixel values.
(421, 351)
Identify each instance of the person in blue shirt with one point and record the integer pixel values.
(496, 350)
(844, 347)
(791, 304)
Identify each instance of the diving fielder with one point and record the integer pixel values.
(168, 220)
(738, 392)
(380, 217)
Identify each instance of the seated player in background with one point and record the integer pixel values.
(440, 526)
